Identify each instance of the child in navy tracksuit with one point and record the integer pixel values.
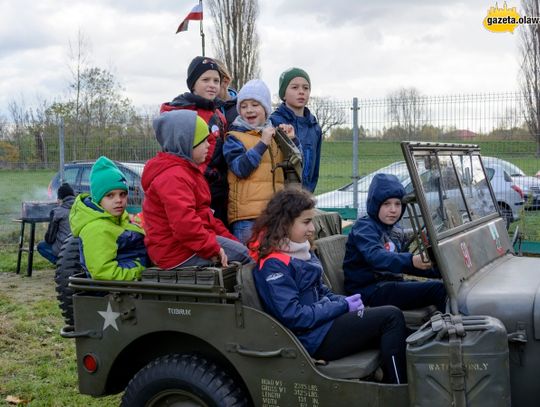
(288, 277)
(375, 259)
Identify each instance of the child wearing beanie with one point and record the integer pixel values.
(203, 81)
(112, 248)
(58, 229)
(294, 91)
(181, 229)
(252, 154)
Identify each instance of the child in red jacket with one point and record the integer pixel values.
(181, 229)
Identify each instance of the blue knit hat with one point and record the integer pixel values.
(105, 177)
(257, 90)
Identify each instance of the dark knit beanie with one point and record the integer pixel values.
(288, 76)
(65, 190)
(197, 67)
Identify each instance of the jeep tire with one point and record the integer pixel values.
(184, 380)
(68, 264)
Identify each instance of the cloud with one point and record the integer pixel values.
(350, 48)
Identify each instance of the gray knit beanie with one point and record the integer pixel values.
(257, 90)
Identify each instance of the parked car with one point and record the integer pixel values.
(529, 185)
(509, 195)
(77, 174)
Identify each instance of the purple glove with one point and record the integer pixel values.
(355, 303)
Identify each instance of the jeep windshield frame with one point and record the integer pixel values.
(459, 226)
(451, 185)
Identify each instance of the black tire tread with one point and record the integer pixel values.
(67, 265)
(194, 371)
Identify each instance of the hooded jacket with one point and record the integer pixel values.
(374, 249)
(214, 167)
(293, 292)
(309, 133)
(111, 247)
(58, 229)
(178, 220)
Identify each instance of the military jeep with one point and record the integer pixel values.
(199, 336)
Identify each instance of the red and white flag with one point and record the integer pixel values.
(196, 14)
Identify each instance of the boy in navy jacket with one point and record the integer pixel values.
(375, 258)
(294, 90)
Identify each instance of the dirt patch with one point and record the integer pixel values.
(28, 289)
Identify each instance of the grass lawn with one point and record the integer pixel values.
(37, 364)
(18, 186)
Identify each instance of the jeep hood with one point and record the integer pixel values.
(507, 289)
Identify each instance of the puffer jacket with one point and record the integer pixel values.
(309, 133)
(293, 292)
(178, 219)
(111, 247)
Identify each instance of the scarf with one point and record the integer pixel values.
(297, 250)
(241, 124)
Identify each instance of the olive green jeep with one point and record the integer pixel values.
(200, 337)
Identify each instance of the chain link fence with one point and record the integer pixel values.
(31, 155)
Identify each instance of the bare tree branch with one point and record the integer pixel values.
(530, 71)
(236, 40)
(327, 113)
(406, 111)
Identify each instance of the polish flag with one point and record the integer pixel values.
(196, 14)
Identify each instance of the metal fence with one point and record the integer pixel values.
(30, 157)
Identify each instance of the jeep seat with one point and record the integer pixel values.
(331, 252)
(356, 366)
(248, 291)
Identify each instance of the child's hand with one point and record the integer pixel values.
(223, 257)
(420, 264)
(267, 134)
(288, 129)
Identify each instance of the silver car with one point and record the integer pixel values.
(509, 196)
(530, 186)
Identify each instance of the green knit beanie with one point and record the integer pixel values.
(201, 131)
(104, 177)
(288, 76)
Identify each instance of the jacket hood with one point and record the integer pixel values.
(67, 202)
(383, 187)
(175, 131)
(84, 211)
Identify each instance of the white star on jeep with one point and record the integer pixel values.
(110, 317)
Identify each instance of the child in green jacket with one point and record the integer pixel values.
(112, 248)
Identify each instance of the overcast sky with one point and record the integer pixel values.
(349, 48)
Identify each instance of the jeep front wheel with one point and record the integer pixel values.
(182, 380)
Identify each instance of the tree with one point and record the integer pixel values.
(236, 40)
(328, 114)
(78, 56)
(530, 70)
(406, 112)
